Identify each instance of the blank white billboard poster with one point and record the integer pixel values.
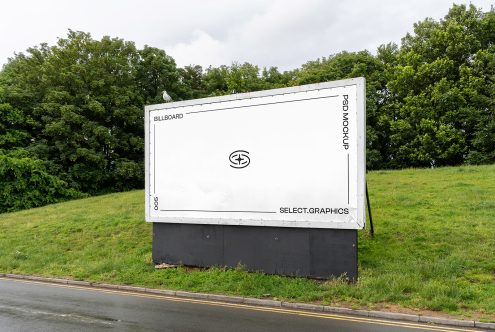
(291, 157)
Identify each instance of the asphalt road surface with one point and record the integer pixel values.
(37, 306)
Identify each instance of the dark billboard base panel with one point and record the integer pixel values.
(316, 253)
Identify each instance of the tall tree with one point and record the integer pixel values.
(442, 91)
(355, 64)
(192, 82)
(215, 80)
(83, 100)
(155, 72)
(244, 78)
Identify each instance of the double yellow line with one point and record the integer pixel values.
(252, 307)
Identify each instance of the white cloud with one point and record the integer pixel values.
(278, 33)
(283, 34)
(212, 52)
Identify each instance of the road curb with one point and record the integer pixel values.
(262, 302)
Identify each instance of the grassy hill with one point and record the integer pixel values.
(434, 247)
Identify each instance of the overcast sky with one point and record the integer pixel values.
(281, 33)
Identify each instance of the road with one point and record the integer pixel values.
(37, 306)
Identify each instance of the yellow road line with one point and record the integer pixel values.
(247, 306)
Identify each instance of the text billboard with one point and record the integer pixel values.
(291, 157)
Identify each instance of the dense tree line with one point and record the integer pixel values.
(72, 113)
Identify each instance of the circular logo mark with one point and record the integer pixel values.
(239, 159)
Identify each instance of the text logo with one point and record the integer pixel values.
(239, 159)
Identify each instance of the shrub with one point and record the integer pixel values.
(25, 183)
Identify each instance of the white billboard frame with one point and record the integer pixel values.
(359, 220)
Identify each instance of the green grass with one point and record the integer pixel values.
(434, 247)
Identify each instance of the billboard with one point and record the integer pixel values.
(292, 157)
